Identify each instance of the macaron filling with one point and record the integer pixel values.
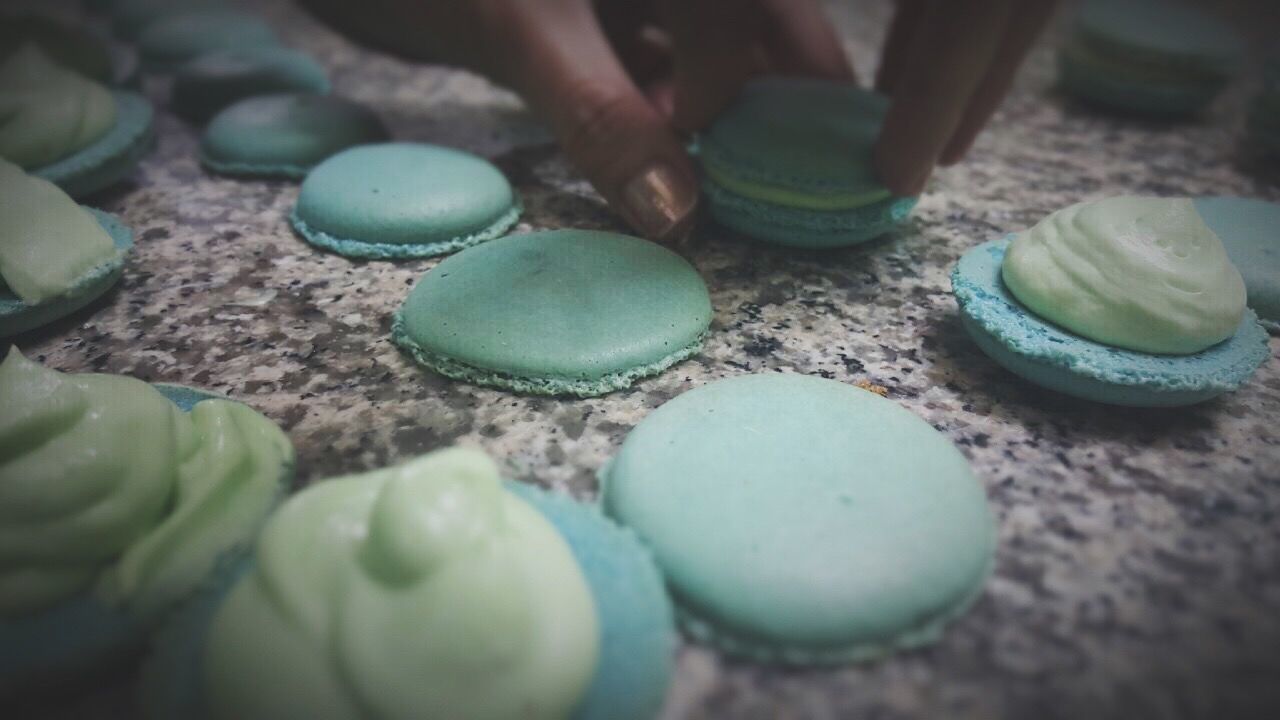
(425, 585)
(1138, 273)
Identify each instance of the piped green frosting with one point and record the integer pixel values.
(48, 112)
(107, 487)
(421, 590)
(1139, 273)
(47, 241)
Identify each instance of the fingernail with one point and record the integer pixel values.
(660, 202)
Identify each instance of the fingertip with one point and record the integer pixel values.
(661, 201)
(900, 174)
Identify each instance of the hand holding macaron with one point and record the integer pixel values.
(622, 83)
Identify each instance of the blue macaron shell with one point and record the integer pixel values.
(637, 640)
(1096, 86)
(1047, 355)
(636, 621)
(17, 316)
(79, 636)
(403, 200)
(798, 227)
(112, 157)
(1249, 231)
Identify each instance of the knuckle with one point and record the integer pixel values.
(597, 113)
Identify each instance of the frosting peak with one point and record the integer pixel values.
(421, 588)
(48, 112)
(106, 486)
(47, 241)
(1135, 272)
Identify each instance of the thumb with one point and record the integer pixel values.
(569, 74)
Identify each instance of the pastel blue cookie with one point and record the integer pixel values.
(71, 642)
(790, 162)
(1250, 231)
(403, 200)
(1047, 355)
(285, 135)
(637, 641)
(559, 312)
(130, 17)
(168, 43)
(1156, 57)
(215, 80)
(17, 316)
(802, 520)
(112, 157)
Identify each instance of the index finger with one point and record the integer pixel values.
(946, 59)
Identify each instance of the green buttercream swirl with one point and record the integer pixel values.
(107, 487)
(48, 112)
(418, 591)
(1140, 273)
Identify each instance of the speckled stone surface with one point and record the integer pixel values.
(1138, 573)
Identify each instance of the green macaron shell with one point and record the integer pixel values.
(560, 312)
(1159, 32)
(17, 316)
(1157, 57)
(112, 157)
(213, 81)
(803, 520)
(285, 135)
(130, 17)
(790, 162)
(1052, 357)
(402, 200)
(802, 228)
(168, 43)
(83, 636)
(1248, 229)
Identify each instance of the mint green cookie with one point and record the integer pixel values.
(803, 520)
(175, 39)
(562, 312)
(218, 79)
(401, 200)
(285, 135)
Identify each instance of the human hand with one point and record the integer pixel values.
(618, 81)
(947, 64)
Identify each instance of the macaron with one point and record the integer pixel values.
(790, 162)
(169, 42)
(802, 520)
(68, 129)
(1052, 357)
(285, 135)
(559, 312)
(218, 79)
(84, 589)
(1151, 57)
(626, 619)
(130, 17)
(403, 200)
(55, 256)
(1248, 229)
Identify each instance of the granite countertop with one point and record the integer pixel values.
(1138, 573)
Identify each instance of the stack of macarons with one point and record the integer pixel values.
(121, 500)
(790, 162)
(428, 586)
(1125, 300)
(1152, 57)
